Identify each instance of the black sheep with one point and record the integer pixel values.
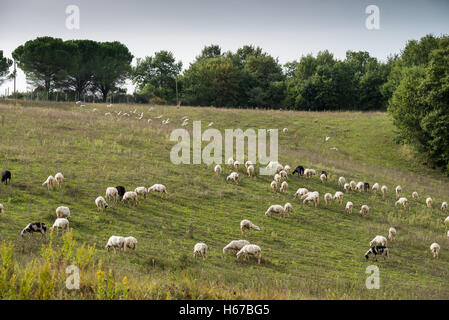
(6, 176)
(121, 191)
(366, 187)
(299, 170)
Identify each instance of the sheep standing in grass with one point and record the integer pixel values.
(61, 224)
(158, 188)
(378, 240)
(384, 190)
(62, 212)
(277, 178)
(284, 186)
(402, 201)
(339, 196)
(248, 163)
(250, 249)
(327, 198)
(311, 197)
(112, 194)
(200, 249)
(49, 183)
(217, 169)
(247, 225)
(364, 210)
(115, 242)
(309, 173)
(121, 191)
(276, 208)
(391, 234)
(415, 195)
(353, 185)
(235, 245)
(375, 187)
(33, 227)
(274, 186)
(287, 168)
(323, 178)
(349, 206)
(100, 203)
(346, 187)
(398, 191)
(141, 191)
(131, 243)
(359, 186)
(284, 174)
(1, 209)
(444, 206)
(288, 208)
(435, 249)
(230, 163)
(250, 170)
(429, 202)
(446, 221)
(130, 196)
(301, 192)
(59, 179)
(236, 165)
(279, 167)
(341, 181)
(234, 176)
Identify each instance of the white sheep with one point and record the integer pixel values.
(217, 169)
(62, 212)
(141, 191)
(284, 174)
(375, 187)
(275, 208)
(364, 210)
(235, 245)
(353, 185)
(349, 206)
(429, 202)
(339, 195)
(112, 194)
(234, 176)
(247, 225)
(279, 167)
(200, 249)
(384, 190)
(323, 178)
(250, 249)
(288, 208)
(311, 197)
(61, 224)
(158, 188)
(435, 249)
(446, 221)
(1, 209)
(130, 196)
(327, 198)
(342, 181)
(346, 187)
(250, 170)
(308, 173)
(444, 206)
(49, 182)
(378, 240)
(248, 163)
(277, 178)
(415, 195)
(391, 234)
(59, 178)
(236, 165)
(274, 186)
(287, 168)
(101, 203)
(115, 242)
(398, 191)
(131, 243)
(402, 201)
(301, 192)
(285, 130)
(284, 186)
(359, 186)
(230, 163)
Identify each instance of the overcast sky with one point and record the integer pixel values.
(287, 29)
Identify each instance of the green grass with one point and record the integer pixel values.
(316, 253)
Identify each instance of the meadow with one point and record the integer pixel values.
(316, 253)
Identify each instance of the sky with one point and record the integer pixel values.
(286, 29)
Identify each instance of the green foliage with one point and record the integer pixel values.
(5, 64)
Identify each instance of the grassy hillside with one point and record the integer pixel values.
(314, 253)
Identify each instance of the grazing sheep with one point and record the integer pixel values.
(274, 186)
(359, 186)
(230, 163)
(236, 165)
(279, 168)
(311, 196)
(287, 168)
(250, 170)
(115, 242)
(349, 206)
(250, 249)
(141, 191)
(34, 227)
(234, 176)
(112, 194)
(375, 187)
(284, 174)
(248, 163)
(131, 243)
(341, 181)
(200, 249)
(284, 186)
(327, 198)
(235, 245)
(398, 191)
(384, 190)
(277, 178)
(121, 191)
(402, 201)
(353, 185)
(285, 130)
(158, 188)
(288, 208)
(382, 250)
(49, 182)
(444, 206)
(59, 179)
(309, 173)
(364, 210)
(217, 169)
(1, 209)
(415, 195)
(130, 196)
(247, 225)
(61, 224)
(323, 178)
(365, 187)
(339, 195)
(62, 212)
(301, 192)
(299, 170)
(429, 202)
(391, 234)
(276, 208)
(101, 203)
(435, 249)
(346, 187)
(379, 240)
(6, 176)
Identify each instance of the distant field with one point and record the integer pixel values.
(316, 253)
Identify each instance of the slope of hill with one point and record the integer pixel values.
(314, 253)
